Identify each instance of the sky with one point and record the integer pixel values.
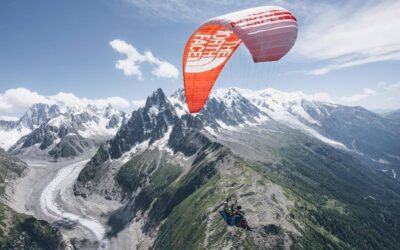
(120, 51)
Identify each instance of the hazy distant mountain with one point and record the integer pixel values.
(64, 132)
(300, 168)
(394, 115)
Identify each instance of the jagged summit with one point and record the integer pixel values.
(157, 100)
(148, 123)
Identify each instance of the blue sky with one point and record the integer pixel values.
(60, 50)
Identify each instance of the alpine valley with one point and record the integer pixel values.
(308, 174)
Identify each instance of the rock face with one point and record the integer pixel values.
(148, 123)
(53, 133)
(38, 114)
(277, 154)
(10, 169)
(18, 231)
(62, 141)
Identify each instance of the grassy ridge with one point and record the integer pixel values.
(341, 203)
(19, 231)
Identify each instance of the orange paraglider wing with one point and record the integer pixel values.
(268, 32)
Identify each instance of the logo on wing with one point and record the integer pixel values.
(208, 51)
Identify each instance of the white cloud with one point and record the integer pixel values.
(192, 11)
(20, 99)
(359, 96)
(131, 64)
(8, 118)
(351, 34)
(319, 96)
(115, 101)
(332, 67)
(138, 103)
(15, 100)
(70, 99)
(389, 87)
(394, 86)
(165, 70)
(381, 84)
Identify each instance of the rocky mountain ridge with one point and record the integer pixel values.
(278, 158)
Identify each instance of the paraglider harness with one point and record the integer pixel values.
(234, 216)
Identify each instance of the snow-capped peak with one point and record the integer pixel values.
(178, 101)
(234, 108)
(88, 121)
(59, 121)
(281, 105)
(228, 96)
(38, 114)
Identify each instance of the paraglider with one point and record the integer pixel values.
(268, 32)
(233, 215)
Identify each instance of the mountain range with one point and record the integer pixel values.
(59, 132)
(309, 174)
